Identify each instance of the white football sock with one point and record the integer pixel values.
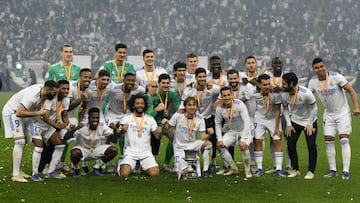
(55, 159)
(206, 157)
(346, 153)
(17, 157)
(278, 157)
(330, 154)
(36, 156)
(258, 159)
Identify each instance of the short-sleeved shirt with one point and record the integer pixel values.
(143, 78)
(28, 97)
(116, 71)
(300, 109)
(57, 72)
(134, 144)
(153, 101)
(240, 120)
(53, 106)
(207, 98)
(183, 136)
(334, 100)
(84, 136)
(265, 106)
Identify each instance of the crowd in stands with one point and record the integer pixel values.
(294, 30)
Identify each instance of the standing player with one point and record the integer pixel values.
(50, 130)
(192, 61)
(206, 94)
(299, 110)
(149, 73)
(217, 75)
(91, 144)
(187, 127)
(119, 66)
(267, 118)
(179, 82)
(16, 116)
(65, 69)
(330, 86)
(138, 128)
(117, 107)
(232, 123)
(159, 109)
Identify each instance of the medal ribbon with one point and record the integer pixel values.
(91, 137)
(120, 75)
(278, 83)
(231, 113)
(59, 106)
(139, 125)
(266, 106)
(323, 89)
(102, 93)
(166, 100)
(190, 128)
(67, 71)
(294, 99)
(152, 75)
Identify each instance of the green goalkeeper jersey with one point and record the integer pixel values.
(117, 73)
(58, 72)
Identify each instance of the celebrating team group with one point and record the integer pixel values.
(196, 109)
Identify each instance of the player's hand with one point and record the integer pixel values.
(160, 107)
(220, 144)
(243, 146)
(277, 132)
(84, 96)
(210, 131)
(164, 121)
(289, 130)
(43, 112)
(80, 125)
(356, 112)
(309, 129)
(125, 127)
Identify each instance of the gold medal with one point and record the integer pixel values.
(139, 135)
(139, 125)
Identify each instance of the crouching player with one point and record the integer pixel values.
(138, 127)
(187, 125)
(236, 126)
(91, 143)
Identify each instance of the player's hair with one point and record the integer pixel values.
(178, 65)
(215, 58)
(232, 71)
(199, 70)
(224, 89)
(85, 70)
(276, 59)
(187, 100)
(192, 55)
(129, 74)
(65, 45)
(93, 110)
(249, 57)
(120, 46)
(63, 82)
(317, 60)
(163, 76)
(290, 78)
(147, 51)
(103, 73)
(137, 96)
(51, 84)
(263, 77)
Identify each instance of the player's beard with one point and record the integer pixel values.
(139, 110)
(288, 89)
(50, 96)
(234, 84)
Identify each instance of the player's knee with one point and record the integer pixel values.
(125, 170)
(153, 171)
(20, 142)
(76, 153)
(344, 141)
(37, 142)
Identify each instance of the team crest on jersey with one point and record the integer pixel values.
(207, 94)
(145, 122)
(300, 99)
(17, 130)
